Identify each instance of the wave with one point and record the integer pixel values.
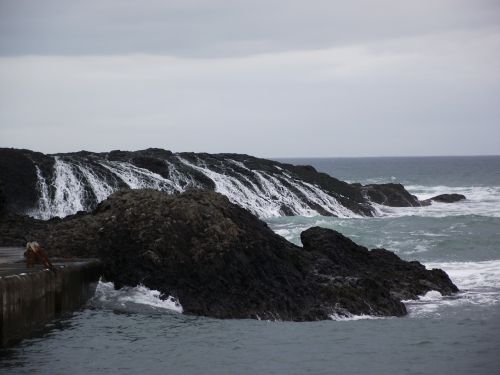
(479, 284)
(481, 201)
(351, 317)
(139, 299)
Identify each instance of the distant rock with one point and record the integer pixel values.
(444, 198)
(394, 195)
(221, 261)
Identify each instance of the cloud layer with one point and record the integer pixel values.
(266, 78)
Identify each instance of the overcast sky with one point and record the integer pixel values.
(268, 78)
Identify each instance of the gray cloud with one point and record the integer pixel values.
(214, 28)
(305, 79)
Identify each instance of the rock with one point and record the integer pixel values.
(445, 198)
(221, 261)
(394, 195)
(251, 182)
(3, 201)
(403, 279)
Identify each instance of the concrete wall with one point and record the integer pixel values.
(29, 300)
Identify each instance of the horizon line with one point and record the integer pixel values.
(268, 157)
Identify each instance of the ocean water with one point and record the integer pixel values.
(132, 331)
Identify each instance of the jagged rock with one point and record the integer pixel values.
(219, 260)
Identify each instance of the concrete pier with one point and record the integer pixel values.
(31, 297)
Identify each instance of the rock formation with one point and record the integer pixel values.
(46, 186)
(220, 260)
(394, 195)
(444, 198)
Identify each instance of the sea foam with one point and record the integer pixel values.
(480, 200)
(479, 284)
(136, 299)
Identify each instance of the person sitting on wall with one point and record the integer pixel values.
(36, 254)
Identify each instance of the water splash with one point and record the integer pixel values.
(43, 210)
(99, 186)
(136, 299)
(79, 184)
(268, 199)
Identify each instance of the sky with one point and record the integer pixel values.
(263, 77)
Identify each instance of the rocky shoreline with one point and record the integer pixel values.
(47, 186)
(220, 260)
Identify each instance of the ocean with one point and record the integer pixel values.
(132, 331)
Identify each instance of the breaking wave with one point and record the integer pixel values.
(481, 201)
(479, 284)
(139, 299)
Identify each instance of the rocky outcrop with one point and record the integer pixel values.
(444, 198)
(219, 260)
(404, 280)
(47, 186)
(394, 195)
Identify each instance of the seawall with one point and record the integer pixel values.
(30, 298)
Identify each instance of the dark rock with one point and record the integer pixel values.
(403, 279)
(394, 195)
(445, 198)
(18, 178)
(219, 260)
(3, 201)
(18, 172)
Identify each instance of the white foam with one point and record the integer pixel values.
(479, 284)
(471, 275)
(139, 178)
(265, 193)
(432, 295)
(351, 317)
(43, 210)
(481, 201)
(107, 296)
(68, 192)
(267, 198)
(99, 187)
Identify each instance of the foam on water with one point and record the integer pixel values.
(78, 185)
(99, 187)
(134, 299)
(479, 284)
(139, 178)
(43, 211)
(68, 192)
(481, 201)
(267, 199)
(351, 317)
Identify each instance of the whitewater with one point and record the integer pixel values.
(77, 184)
(136, 330)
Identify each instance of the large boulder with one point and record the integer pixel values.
(220, 260)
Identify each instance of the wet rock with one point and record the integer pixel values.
(394, 195)
(246, 178)
(445, 198)
(221, 261)
(402, 278)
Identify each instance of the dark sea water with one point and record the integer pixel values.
(133, 332)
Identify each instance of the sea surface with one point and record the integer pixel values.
(132, 331)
